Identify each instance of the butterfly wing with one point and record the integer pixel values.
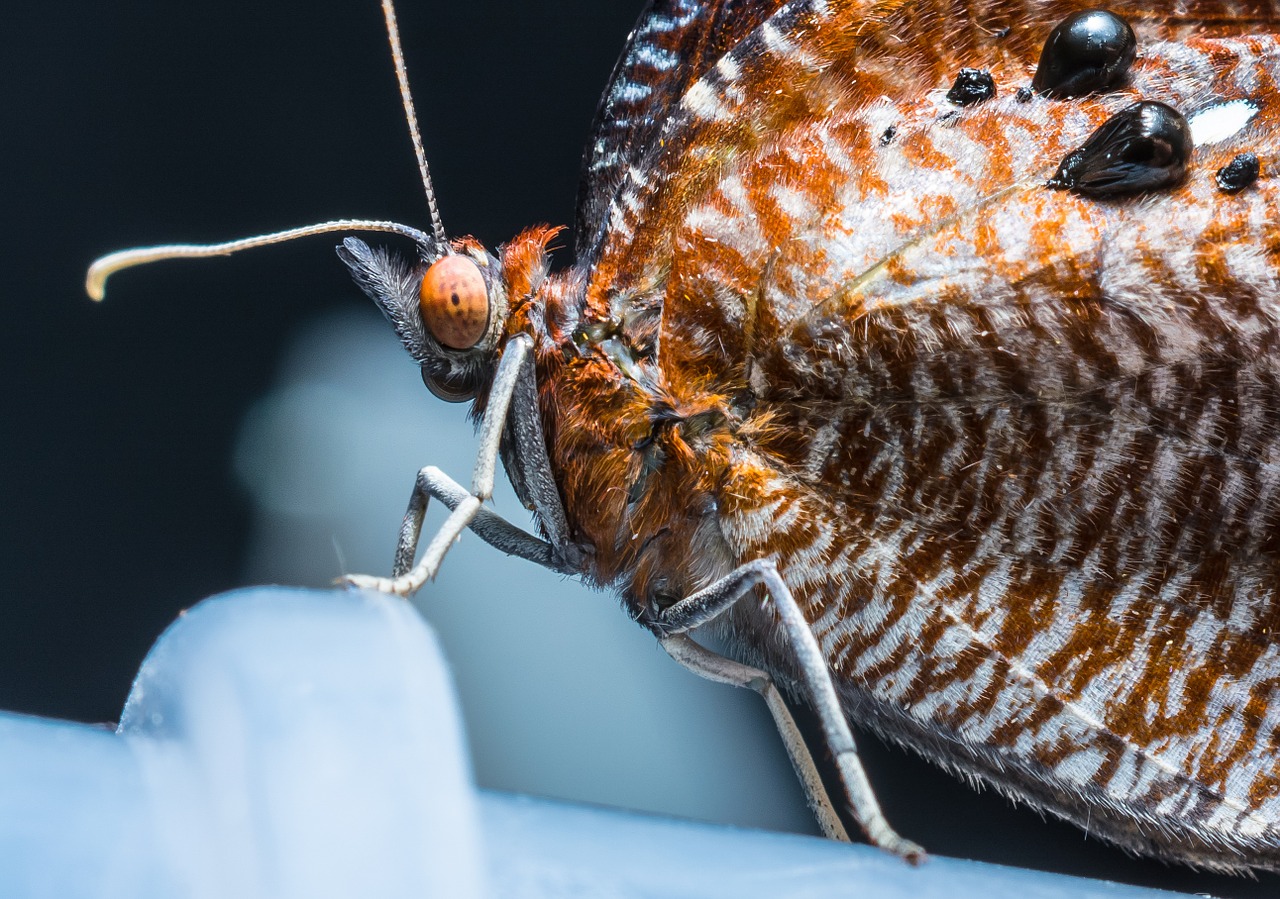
(647, 170)
(672, 45)
(1016, 450)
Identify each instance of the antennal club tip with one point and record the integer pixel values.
(95, 280)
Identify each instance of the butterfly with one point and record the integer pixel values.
(925, 353)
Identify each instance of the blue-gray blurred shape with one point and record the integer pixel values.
(276, 743)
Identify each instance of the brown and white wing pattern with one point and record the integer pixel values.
(1016, 450)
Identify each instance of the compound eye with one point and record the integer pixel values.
(455, 302)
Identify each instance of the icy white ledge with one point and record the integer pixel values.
(289, 743)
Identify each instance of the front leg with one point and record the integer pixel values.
(514, 377)
(672, 623)
(432, 483)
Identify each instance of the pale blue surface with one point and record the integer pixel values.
(275, 743)
(550, 849)
(307, 744)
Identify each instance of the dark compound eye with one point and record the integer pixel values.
(1144, 147)
(1238, 174)
(447, 391)
(972, 86)
(1088, 51)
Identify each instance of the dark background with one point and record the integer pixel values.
(126, 124)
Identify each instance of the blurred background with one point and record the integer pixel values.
(251, 419)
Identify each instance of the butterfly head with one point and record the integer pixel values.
(449, 308)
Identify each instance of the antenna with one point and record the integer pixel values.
(406, 98)
(95, 282)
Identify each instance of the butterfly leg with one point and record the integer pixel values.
(432, 483)
(715, 667)
(514, 380)
(705, 605)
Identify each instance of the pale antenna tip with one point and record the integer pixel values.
(95, 280)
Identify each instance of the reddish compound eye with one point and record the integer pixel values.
(455, 302)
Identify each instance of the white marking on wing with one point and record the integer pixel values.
(1221, 122)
